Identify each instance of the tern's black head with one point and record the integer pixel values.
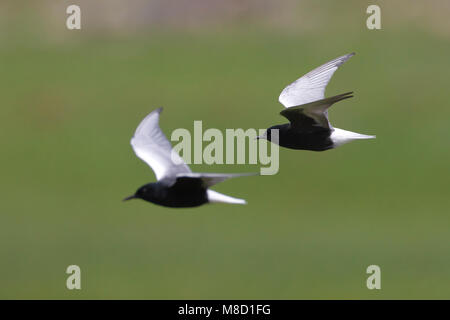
(145, 192)
(268, 133)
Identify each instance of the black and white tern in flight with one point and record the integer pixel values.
(177, 185)
(307, 112)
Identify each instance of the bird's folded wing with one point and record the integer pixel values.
(311, 86)
(151, 145)
(210, 179)
(314, 114)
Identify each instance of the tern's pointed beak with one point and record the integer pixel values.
(130, 197)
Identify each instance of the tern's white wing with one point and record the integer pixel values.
(311, 87)
(151, 145)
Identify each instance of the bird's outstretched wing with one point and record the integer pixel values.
(151, 145)
(210, 179)
(313, 116)
(311, 87)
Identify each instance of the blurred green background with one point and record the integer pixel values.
(71, 100)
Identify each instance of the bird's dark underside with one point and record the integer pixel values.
(182, 194)
(314, 141)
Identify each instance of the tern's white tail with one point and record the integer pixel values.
(214, 196)
(339, 136)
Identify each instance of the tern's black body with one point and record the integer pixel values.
(183, 193)
(315, 139)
